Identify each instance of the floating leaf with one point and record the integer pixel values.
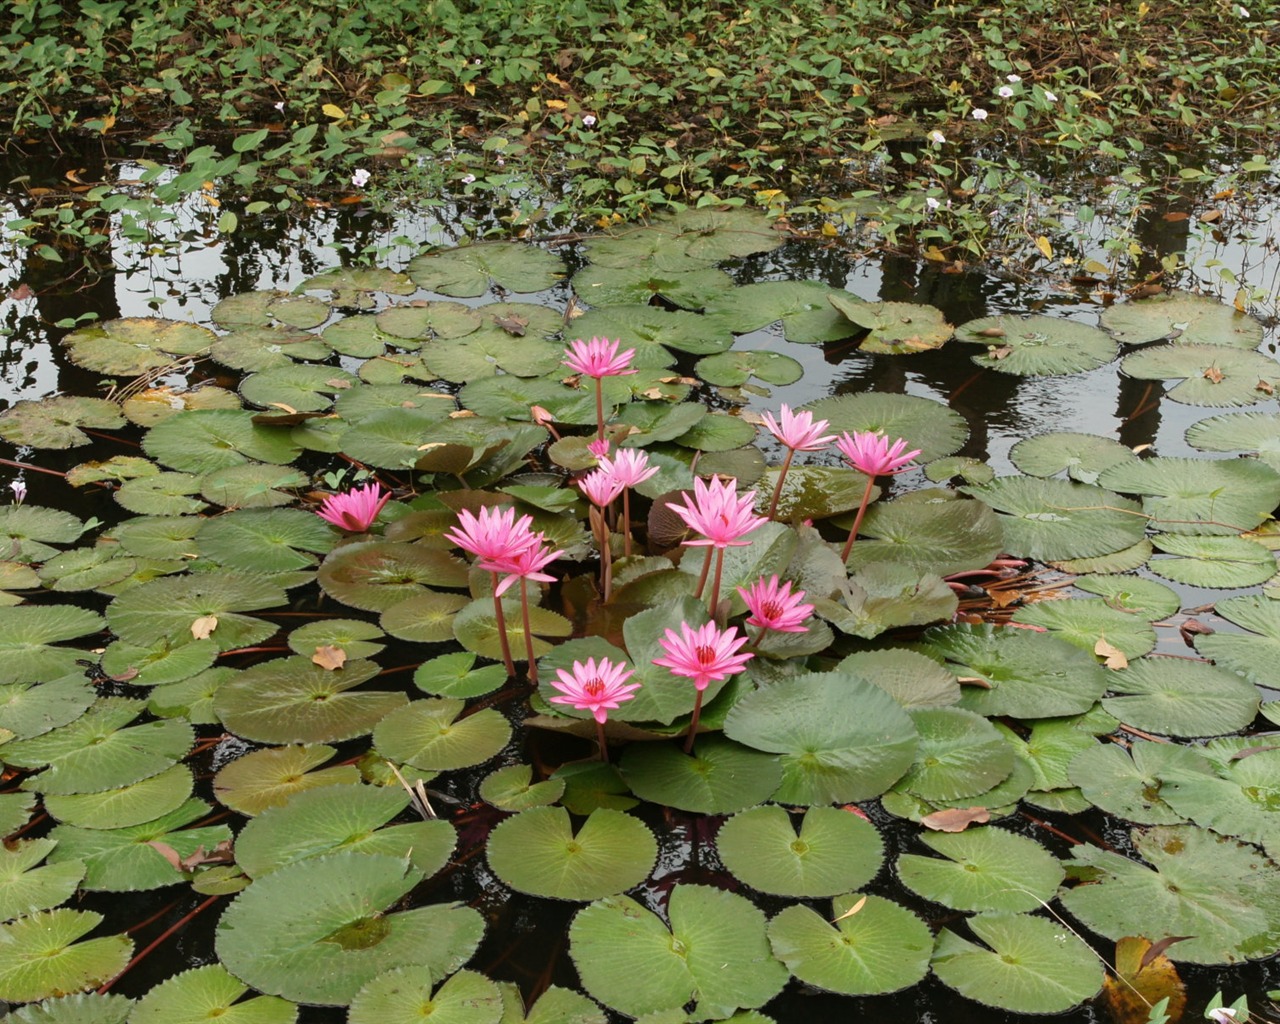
(1086, 622)
(428, 320)
(835, 851)
(652, 331)
(1212, 375)
(1176, 697)
(1239, 431)
(39, 955)
(300, 387)
(1038, 346)
(554, 1006)
(428, 734)
(718, 234)
(316, 931)
(960, 755)
(31, 709)
(928, 425)
(715, 952)
(471, 270)
(268, 778)
(1083, 456)
(147, 408)
(1146, 599)
(803, 307)
(454, 675)
(27, 636)
(377, 575)
(209, 993)
(1200, 496)
(1215, 562)
(265, 308)
(28, 889)
(983, 869)
(162, 494)
(134, 804)
(24, 529)
(134, 345)
(895, 328)
(350, 285)
(912, 679)
(202, 440)
(733, 369)
(253, 349)
(476, 627)
(883, 595)
(512, 789)
(1144, 978)
(267, 540)
(404, 996)
(1190, 319)
(718, 777)
(638, 285)
(167, 608)
(55, 422)
(930, 531)
(80, 1008)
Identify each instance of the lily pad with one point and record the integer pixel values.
(31, 709)
(27, 636)
(317, 931)
(1038, 346)
(254, 349)
(1189, 319)
(555, 1006)
(82, 569)
(209, 993)
(55, 422)
(202, 440)
(718, 234)
(349, 285)
(471, 270)
(26, 888)
(961, 754)
(404, 996)
(162, 494)
(538, 852)
(40, 957)
(134, 804)
(428, 734)
(376, 575)
(1239, 801)
(268, 778)
(912, 679)
(652, 331)
(1257, 432)
(895, 328)
(1214, 562)
(512, 789)
(718, 777)
(1025, 964)
(487, 351)
(880, 947)
(1176, 697)
(266, 308)
(1146, 599)
(733, 369)
(169, 608)
(841, 738)
(638, 285)
(476, 627)
(134, 345)
(267, 540)
(1083, 456)
(715, 952)
(1200, 496)
(928, 425)
(1128, 783)
(455, 675)
(147, 408)
(296, 388)
(1212, 375)
(808, 318)
(422, 320)
(982, 869)
(814, 492)
(1083, 622)
(883, 596)
(25, 529)
(79, 1008)
(834, 851)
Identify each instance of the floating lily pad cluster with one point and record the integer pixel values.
(203, 693)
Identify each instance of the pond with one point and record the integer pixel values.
(1023, 638)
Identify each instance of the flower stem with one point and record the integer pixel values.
(606, 561)
(599, 408)
(866, 497)
(626, 522)
(528, 631)
(702, 577)
(604, 750)
(777, 490)
(498, 615)
(715, 583)
(693, 724)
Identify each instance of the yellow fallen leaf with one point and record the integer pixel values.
(330, 657)
(1046, 249)
(1112, 656)
(334, 111)
(852, 910)
(204, 626)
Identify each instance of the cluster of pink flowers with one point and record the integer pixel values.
(504, 545)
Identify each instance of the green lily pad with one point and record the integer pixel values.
(1189, 319)
(555, 1006)
(652, 331)
(163, 494)
(471, 270)
(1257, 432)
(82, 569)
(317, 822)
(404, 996)
(930, 531)
(715, 952)
(1200, 496)
(1212, 375)
(358, 403)
(982, 869)
(638, 285)
(27, 636)
(835, 851)
(32, 709)
(255, 485)
(1217, 891)
(80, 1008)
(159, 537)
(1176, 697)
(428, 734)
(147, 408)
(39, 955)
(658, 421)
(266, 308)
(1083, 456)
(719, 777)
(718, 432)
(122, 859)
(202, 440)
(268, 778)
(377, 575)
(1038, 346)
(925, 424)
(733, 369)
(26, 888)
(1214, 562)
(266, 540)
(352, 636)
(316, 931)
(55, 422)
(1029, 675)
(1083, 622)
(1129, 784)
(418, 321)
(882, 947)
(1056, 519)
(537, 852)
(134, 345)
(841, 738)
(814, 492)
(910, 678)
(209, 993)
(134, 804)
(486, 351)
(662, 248)
(592, 784)
(476, 627)
(168, 608)
(961, 754)
(712, 234)
(1240, 801)
(1025, 965)
(1253, 654)
(1146, 599)
(455, 675)
(512, 789)
(292, 700)
(808, 318)
(297, 387)
(25, 529)
(883, 596)
(895, 328)
(191, 698)
(254, 349)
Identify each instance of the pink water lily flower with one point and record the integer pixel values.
(707, 654)
(630, 466)
(718, 513)
(598, 358)
(798, 431)
(599, 448)
(871, 453)
(601, 486)
(524, 564)
(597, 688)
(493, 535)
(775, 606)
(356, 509)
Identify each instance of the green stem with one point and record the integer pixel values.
(782, 475)
(604, 750)
(501, 619)
(715, 584)
(702, 577)
(866, 497)
(528, 631)
(693, 724)
(626, 522)
(599, 408)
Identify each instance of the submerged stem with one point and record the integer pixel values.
(866, 497)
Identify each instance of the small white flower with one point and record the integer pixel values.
(937, 136)
(978, 114)
(279, 106)
(1051, 97)
(932, 203)
(589, 119)
(19, 491)
(1013, 78)
(1004, 92)
(1222, 1015)
(361, 178)
(468, 179)
(1242, 12)
(500, 162)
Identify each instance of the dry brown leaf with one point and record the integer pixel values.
(1210, 216)
(220, 854)
(338, 383)
(991, 332)
(1215, 375)
(752, 417)
(22, 293)
(204, 626)
(287, 408)
(461, 414)
(1144, 976)
(1265, 386)
(512, 324)
(330, 657)
(977, 681)
(852, 910)
(1112, 655)
(956, 819)
(999, 352)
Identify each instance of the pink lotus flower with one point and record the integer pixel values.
(356, 509)
(716, 512)
(798, 431)
(705, 655)
(495, 534)
(776, 607)
(524, 564)
(630, 467)
(599, 448)
(595, 688)
(601, 486)
(870, 452)
(598, 358)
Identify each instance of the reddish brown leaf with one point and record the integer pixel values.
(956, 819)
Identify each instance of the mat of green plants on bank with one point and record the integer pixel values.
(953, 126)
(140, 651)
